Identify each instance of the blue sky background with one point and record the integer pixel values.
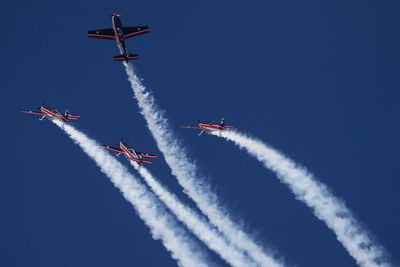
(317, 80)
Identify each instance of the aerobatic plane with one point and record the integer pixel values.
(120, 34)
(130, 153)
(211, 126)
(52, 113)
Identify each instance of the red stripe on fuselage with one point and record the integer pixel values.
(210, 127)
(52, 114)
(116, 36)
(126, 150)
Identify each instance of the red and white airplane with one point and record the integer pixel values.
(119, 34)
(52, 113)
(211, 126)
(130, 153)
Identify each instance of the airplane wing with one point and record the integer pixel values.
(114, 149)
(74, 118)
(107, 34)
(130, 32)
(147, 155)
(34, 113)
(190, 127)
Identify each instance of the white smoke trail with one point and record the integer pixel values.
(161, 224)
(318, 197)
(186, 173)
(195, 223)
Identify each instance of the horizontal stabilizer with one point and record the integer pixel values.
(140, 161)
(147, 155)
(126, 57)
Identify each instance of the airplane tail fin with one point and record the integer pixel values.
(126, 57)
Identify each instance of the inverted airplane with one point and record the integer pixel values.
(52, 113)
(120, 34)
(130, 153)
(211, 126)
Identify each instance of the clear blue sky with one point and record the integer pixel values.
(319, 81)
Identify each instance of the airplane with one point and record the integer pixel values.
(130, 153)
(211, 127)
(52, 113)
(120, 34)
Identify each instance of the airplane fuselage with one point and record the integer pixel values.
(129, 152)
(119, 33)
(211, 127)
(53, 114)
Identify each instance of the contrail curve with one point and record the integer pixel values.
(187, 175)
(316, 195)
(162, 225)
